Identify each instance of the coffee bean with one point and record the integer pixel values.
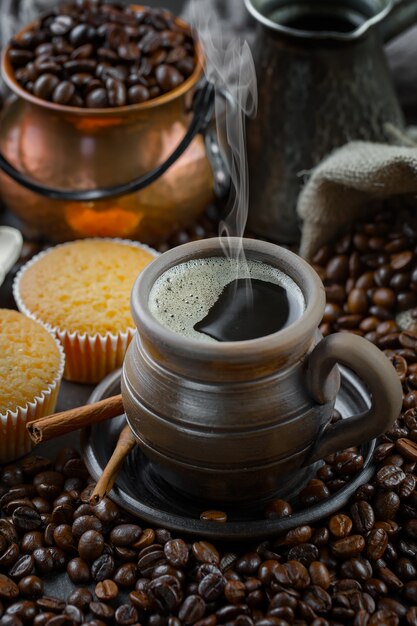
(18, 58)
(383, 618)
(44, 88)
(80, 597)
(389, 578)
(23, 567)
(357, 301)
(116, 92)
(390, 476)
(41, 505)
(405, 569)
(106, 590)
(149, 558)
(168, 77)
(410, 591)
(377, 542)
(103, 568)
(26, 518)
(49, 483)
(235, 591)
(277, 509)
(387, 504)
(31, 586)
(147, 538)
(176, 552)
(211, 587)
(64, 538)
(140, 599)
(125, 575)
(62, 24)
(33, 464)
(129, 52)
(205, 552)
(43, 560)
(7, 530)
(319, 574)
(306, 553)
(78, 571)
(74, 614)
(125, 534)
(165, 594)
(314, 492)
(192, 609)
(24, 609)
(63, 92)
(10, 556)
(300, 534)
(248, 564)
(126, 615)
(102, 611)
(348, 546)
(91, 545)
(340, 525)
(124, 554)
(356, 568)
(407, 448)
(137, 94)
(213, 516)
(8, 589)
(106, 511)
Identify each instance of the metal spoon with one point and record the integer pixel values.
(11, 242)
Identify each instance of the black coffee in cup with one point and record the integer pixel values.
(218, 299)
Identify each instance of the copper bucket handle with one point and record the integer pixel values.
(383, 384)
(203, 107)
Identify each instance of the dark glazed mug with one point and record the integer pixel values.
(227, 421)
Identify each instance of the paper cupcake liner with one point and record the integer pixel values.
(14, 439)
(88, 358)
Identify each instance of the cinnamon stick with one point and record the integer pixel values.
(46, 428)
(125, 444)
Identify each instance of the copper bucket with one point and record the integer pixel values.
(139, 171)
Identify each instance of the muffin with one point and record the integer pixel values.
(81, 292)
(31, 367)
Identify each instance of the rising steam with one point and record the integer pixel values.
(230, 67)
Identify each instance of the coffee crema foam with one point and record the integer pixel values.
(183, 295)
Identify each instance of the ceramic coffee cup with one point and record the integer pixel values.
(231, 421)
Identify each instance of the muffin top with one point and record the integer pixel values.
(84, 286)
(29, 362)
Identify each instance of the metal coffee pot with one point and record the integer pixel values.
(323, 80)
(235, 421)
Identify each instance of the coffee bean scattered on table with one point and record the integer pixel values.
(97, 55)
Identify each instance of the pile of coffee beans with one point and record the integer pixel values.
(370, 277)
(359, 567)
(337, 470)
(97, 55)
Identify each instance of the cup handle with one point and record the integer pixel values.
(380, 377)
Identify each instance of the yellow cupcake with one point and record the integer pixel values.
(81, 292)
(31, 367)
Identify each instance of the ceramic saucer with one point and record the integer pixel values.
(140, 491)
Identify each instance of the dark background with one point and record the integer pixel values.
(173, 5)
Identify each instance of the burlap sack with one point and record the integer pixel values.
(352, 182)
